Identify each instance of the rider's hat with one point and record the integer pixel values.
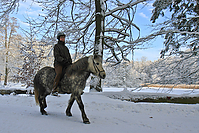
(60, 34)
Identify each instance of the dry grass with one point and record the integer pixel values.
(182, 86)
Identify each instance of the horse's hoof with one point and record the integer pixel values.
(44, 113)
(86, 122)
(69, 114)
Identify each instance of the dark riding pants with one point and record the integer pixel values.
(58, 70)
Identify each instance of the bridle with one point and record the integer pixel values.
(96, 68)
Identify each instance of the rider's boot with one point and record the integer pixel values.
(55, 90)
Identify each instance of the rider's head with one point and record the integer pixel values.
(61, 36)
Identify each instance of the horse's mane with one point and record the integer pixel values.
(78, 66)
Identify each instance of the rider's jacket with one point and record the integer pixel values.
(61, 55)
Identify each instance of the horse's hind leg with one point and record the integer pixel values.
(81, 106)
(70, 104)
(42, 103)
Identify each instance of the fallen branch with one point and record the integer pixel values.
(182, 86)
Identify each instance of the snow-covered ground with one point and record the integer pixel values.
(19, 113)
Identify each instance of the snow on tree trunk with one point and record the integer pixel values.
(98, 46)
(6, 67)
(100, 12)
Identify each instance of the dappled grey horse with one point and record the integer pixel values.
(73, 82)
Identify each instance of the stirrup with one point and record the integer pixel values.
(55, 93)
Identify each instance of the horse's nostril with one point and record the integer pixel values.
(104, 76)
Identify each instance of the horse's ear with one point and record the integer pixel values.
(97, 56)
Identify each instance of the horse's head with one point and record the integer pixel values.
(95, 66)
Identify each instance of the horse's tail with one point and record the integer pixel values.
(36, 96)
(36, 91)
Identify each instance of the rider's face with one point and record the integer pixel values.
(62, 38)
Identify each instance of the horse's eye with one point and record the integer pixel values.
(97, 63)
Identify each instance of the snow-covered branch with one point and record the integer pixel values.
(7, 7)
(124, 6)
(77, 19)
(116, 30)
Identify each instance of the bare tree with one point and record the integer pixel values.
(78, 18)
(180, 28)
(7, 7)
(8, 32)
(180, 32)
(94, 26)
(33, 54)
(174, 70)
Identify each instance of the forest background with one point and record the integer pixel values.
(166, 29)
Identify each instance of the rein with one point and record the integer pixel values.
(96, 68)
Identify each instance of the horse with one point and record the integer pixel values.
(72, 82)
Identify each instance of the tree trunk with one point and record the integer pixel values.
(100, 12)
(99, 34)
(6, 65)
(6, 72)
(132, 58)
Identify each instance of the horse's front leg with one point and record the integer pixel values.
(81, 106)
(70, 104)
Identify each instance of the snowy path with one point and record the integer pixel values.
(20, 114)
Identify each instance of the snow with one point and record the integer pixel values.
(19, 113)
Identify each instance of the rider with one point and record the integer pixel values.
(62, 59)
